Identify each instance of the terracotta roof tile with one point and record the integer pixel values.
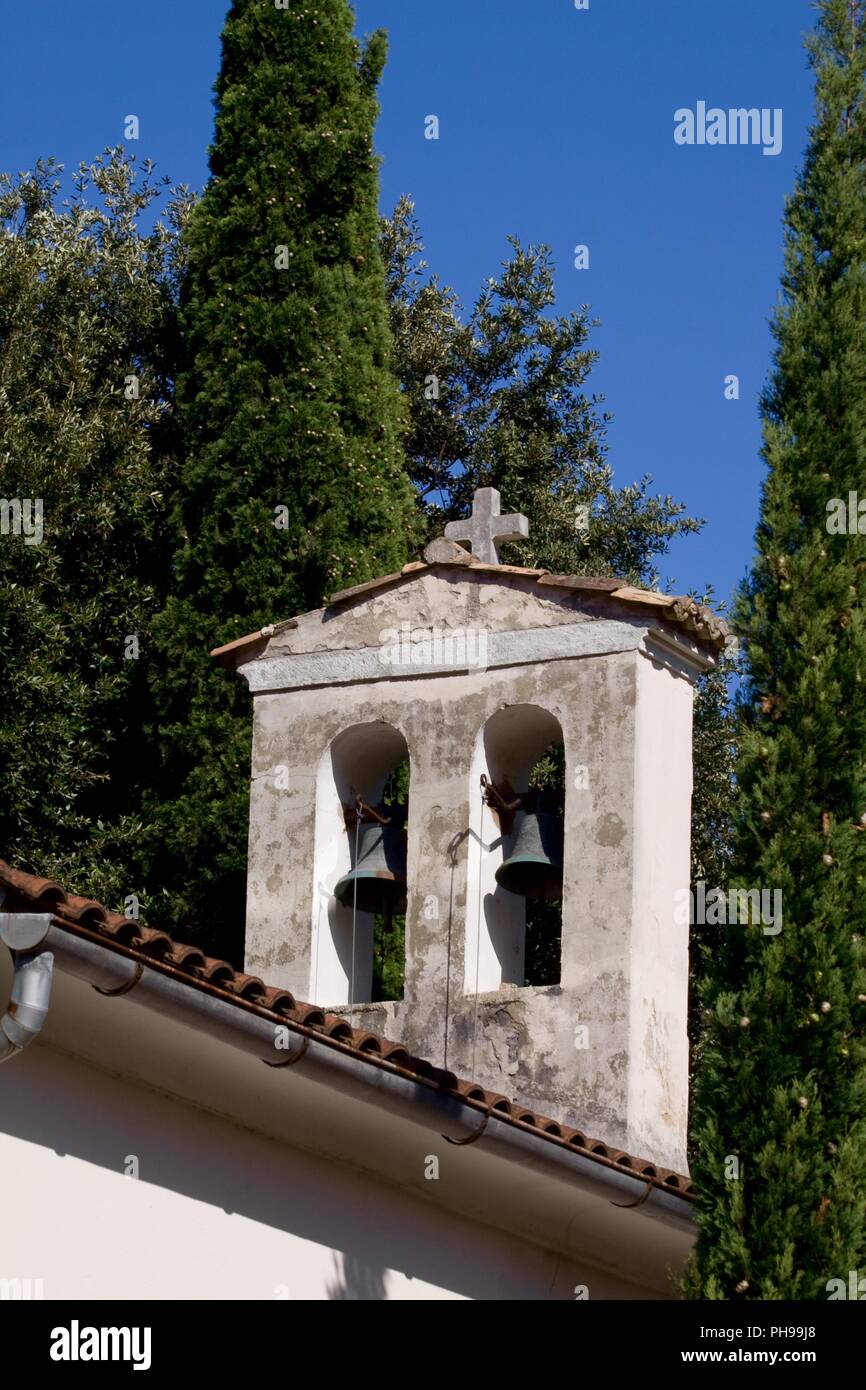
(313, 1017)
(338, 1028)
(29, 893)
(153, 943)
(582, 581)
(186, 957)
(125, 932)
(277, 1000)
(40, 892)
(219, 972)
(261, 638)
(247, 986)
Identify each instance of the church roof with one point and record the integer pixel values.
(189, 966)
(681, 610)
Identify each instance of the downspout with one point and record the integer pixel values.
(31, 983)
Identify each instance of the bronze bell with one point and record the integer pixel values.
(377, 880)
(533, 868)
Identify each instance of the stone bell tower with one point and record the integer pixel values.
(472, 669)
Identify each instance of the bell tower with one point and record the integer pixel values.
(469, 675)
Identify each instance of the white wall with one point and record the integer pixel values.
(495, 919)
(221, 1213)
(658, 1094)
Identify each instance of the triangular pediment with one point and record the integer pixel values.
(489, 602)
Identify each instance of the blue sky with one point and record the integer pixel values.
(556, 125)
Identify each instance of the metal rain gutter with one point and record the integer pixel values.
(330, 1063)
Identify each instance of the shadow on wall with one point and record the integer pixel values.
(69, 1110)
(221, 1200)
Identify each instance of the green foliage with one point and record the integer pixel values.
(549, 772)
(714, 798)
(543, 957)
(389, 945)
(294, 392)
(389, 958)
(715, 789)
(512, 413)
(87, 301)
(286, 401)
(783, 1084)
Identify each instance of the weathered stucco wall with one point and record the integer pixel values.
(606, 1048)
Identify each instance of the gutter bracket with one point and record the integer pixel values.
(476, 1134)
(292, 1058)
(640, 1201)
(125, 987)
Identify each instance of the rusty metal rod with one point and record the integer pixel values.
(492, 793)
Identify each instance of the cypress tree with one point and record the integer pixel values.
(293, 484)
(780, 1111)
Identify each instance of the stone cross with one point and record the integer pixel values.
(486, 527)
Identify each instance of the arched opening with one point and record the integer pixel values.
(514, 893)
(543, 956)
(358, 934)
(389, 927)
